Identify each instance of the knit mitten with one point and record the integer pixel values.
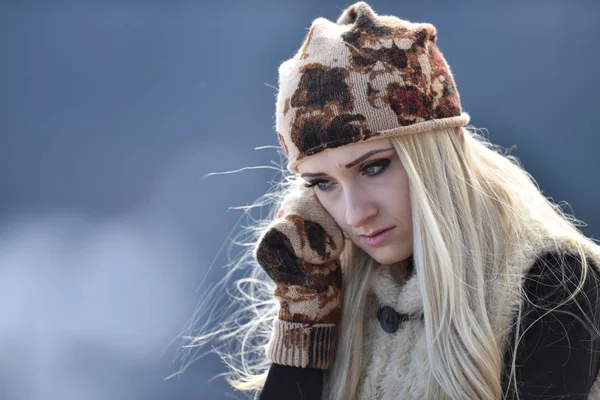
(300, 251)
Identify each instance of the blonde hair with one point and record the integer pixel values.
(467, 201)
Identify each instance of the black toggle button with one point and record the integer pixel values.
(390, 319)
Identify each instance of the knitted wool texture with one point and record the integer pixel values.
(300, 251)
(362, 78)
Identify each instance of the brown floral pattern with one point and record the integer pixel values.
(378, 74)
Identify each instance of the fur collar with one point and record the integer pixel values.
(396, 365)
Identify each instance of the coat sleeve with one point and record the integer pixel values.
(558, 356)
(292, 383)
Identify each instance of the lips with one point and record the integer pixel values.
(377, 232)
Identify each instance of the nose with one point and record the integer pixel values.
(360, 206)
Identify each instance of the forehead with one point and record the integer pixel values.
(336, 158)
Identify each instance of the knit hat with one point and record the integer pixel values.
(364, 77)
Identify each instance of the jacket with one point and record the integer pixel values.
(558, 356)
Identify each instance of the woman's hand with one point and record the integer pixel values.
(300, 252)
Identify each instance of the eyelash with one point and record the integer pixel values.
(383, 163)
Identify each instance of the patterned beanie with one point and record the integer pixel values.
(364, 77)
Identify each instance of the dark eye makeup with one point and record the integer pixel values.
(372, 168)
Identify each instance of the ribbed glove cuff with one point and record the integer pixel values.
(302, 345)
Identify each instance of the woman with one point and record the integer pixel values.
(408, 259)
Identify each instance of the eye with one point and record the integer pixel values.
(372, 169)
(376, 167)
(317, 183)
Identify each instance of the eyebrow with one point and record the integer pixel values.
(349, 165)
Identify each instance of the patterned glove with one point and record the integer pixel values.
(300, 251)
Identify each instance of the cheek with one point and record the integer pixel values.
(396, 200)
(337, 212)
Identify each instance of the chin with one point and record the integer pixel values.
(385, 259)
(386, 255)
(390, 254)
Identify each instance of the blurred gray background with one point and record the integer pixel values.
(110, 112)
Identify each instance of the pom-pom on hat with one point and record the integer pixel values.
(364, 77)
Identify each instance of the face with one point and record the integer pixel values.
(364, 186)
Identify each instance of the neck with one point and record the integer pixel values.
(402, 270)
